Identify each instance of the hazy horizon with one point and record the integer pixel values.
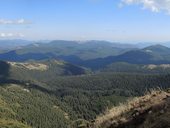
(84, 41)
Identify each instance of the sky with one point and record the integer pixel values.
(112, 20)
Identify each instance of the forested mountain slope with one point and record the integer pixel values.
(77, 97)
(25, 108)
(53, 93)
(137, 68)
(39, 70)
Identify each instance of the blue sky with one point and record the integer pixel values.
(113, 20)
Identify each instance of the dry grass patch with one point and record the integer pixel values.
(132, 109)
(29, 66)
(12, 124)
(153, 66)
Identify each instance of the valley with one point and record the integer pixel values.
(45, 89)
(84, 64)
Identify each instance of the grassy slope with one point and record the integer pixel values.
(149, 111)
(6, 123)
(7, 115)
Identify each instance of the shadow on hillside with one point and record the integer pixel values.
(4, 70)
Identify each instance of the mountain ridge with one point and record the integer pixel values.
(92, 54)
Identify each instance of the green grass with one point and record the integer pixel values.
(6, 123)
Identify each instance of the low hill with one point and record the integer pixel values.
(158, 49)
(149, 111)
(137, 68)
(39, 70)
(156, 54)
(132, 57)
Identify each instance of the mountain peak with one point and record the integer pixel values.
(157, 46)
(158, 49)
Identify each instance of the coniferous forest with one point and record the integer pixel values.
(55, 97)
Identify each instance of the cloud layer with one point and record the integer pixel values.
(14, 22)
(11, 35)
(153, 5)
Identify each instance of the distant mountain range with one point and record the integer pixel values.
(90, 54)
(66, 50)
(13, 44)
(147, 44)
(156, 54)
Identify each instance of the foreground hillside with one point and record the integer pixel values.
(21, 107)
(48, 94)
(149, 111)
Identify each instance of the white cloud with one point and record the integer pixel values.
(11, 35)
(13, 22)
(153, 5)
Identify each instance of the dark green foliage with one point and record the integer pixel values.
(33, 107)
(4, 69)
(50, 99)
(136, 68)
(86, 96)
(54, 69)
(90, 95)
